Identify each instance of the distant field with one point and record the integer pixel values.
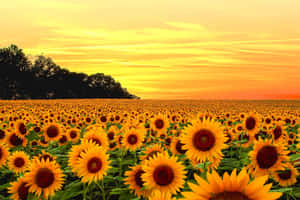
(149, 149)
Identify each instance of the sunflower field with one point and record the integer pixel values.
(146, 149)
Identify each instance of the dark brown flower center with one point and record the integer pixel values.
(15, 140)
(23, 191)
(34, 143)
(94, 165)
(73, 134)
(163, 175)
(179, 146)
(268, 121)
(111, 135)
(285, 175)
(22, 129)
(138, 178)
(250, 123)
(230, 196)
(37, 129)
(112, 145)
(103, 119)
(132, 139)
(52, 131)
(277, 132)
(2, 134)
(204, 140)
(267, 157)
(63, 139)
(44, 177)
(159, 123)
(19, 162)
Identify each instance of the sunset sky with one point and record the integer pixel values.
(167, 49)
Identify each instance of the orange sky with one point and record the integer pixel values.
(192, 49)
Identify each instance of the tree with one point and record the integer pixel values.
(20, 79)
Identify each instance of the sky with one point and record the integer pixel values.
(167, 49)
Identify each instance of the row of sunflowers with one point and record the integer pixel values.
(156, 150)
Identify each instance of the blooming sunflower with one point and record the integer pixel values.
(278, 133)
(18, 161)
(44, 177)
(93, 164)
(160, 123)
(133, 138)
(75, 152)
(151, 151)
(135, 182)
(73, 134)
(234, 187)
(19, 189)
(286, 177)
(268, 157)
(3, 154)
(204, 140)
(164, 173)
(20, 128)
(13, 140)
(251, 124)
(52, 132)
(97, 136)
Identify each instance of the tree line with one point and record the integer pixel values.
(21, 78)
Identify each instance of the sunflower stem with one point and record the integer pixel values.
(101, 188)
(85, 189)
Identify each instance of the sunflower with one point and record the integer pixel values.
(133, 138)
(73, 134)
(34, 144)
(18, 161)
(164, 173)
(75, 152)
(111, 133)
(2, 135)
(52, 132)
(151, 151)
(93, 164)
(160, 123)
(13, 140)
(287, 177)
(268, 157)
(3, 154)
(98, 136)
(20, 128)
(230, 187)
(135, 182)
(19, 189)
(251, 124)
(176, 147)
(63, 139)
(278, 133)
(204, 140)
(44, 177)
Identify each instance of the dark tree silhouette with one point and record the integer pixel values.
(43, 79)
